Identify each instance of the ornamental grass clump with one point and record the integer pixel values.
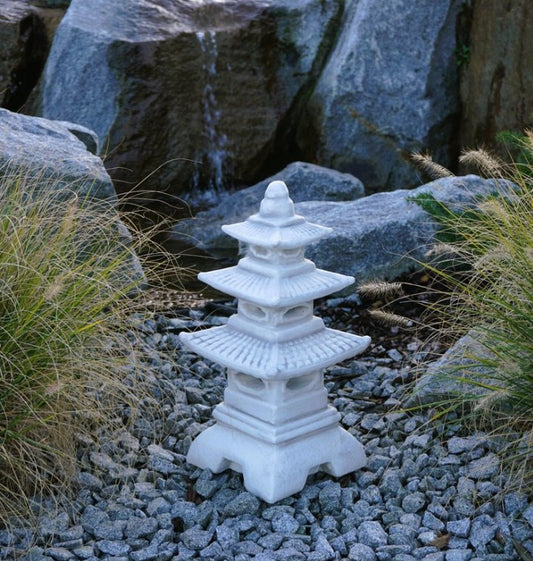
(490, 297)
(66, 365)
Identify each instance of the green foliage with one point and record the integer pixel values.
(462, 54)
(64, 294)
(447, 216)
(519, 147)
(493, 294)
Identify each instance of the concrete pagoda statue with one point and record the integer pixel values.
(275, 425)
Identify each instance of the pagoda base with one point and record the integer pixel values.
(275, 471)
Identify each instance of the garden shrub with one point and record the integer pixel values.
(67, 366)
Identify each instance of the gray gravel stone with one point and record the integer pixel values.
(458, 445)
(390, 484)
(162, 465)
(227, 536)
(413, 502)
(401, 534)
(371, 533)
(430, 521)
(528, 515)
(458, 555)
(212, 551)
(427, 537)
(418, 440)
(248, 547)
(515, 503)
(140, 527)
(371, 494)
(482, 531)
(93, 517)
(330, 497)
(464, 506)
(205, 486)
(460, 528)
(289, 554)
(157, 506)
(484, 467)
(145, 554)
(361, 552)
(90, 481)
(110, 530)
(323, 547)
(196, 539)
(113, 547)
(284, 523)
(435, 556)
(60, 553)
(245, 503)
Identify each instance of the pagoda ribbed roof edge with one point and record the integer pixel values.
(275, 291)
(259, 232)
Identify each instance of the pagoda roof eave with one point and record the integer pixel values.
(274, 360)
(268, 235)
(274, 290)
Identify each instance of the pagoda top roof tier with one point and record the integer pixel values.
(265, 359)
(276, 224)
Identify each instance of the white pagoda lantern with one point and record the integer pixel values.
(275, 425)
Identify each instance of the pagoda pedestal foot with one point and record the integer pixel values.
(275, 471)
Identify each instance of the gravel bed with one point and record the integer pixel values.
(429, 492)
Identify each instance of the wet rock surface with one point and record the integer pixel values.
(429, 491)
(199, 92)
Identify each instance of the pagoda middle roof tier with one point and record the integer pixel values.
(275, 290)
(274, 360)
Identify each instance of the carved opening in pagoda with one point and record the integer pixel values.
(245, 382)
(297, 312)
(302, 382)
(252, 311)
(293, 254)
(260, 252)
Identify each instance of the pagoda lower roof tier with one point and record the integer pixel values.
(282, 360)
(275, 290)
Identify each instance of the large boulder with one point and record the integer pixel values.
(497, 79)
(23, 50)
(52, 149)
(50, 153)
(199, 91)
(306, 182)
(388, 88)
(385, 235)
(460, 376)
(377, 237)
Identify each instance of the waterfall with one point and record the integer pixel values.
(212, 160)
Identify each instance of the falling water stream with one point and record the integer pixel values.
(212, 160)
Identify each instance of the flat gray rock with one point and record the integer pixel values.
(52, 153)
(306, 182)
(386, 234)
(377, 237)
(50, 149)
(445, 378)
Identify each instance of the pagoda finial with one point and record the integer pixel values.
(277, 203)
